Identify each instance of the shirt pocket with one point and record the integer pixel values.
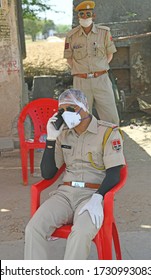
(100, 51)
(79, 53)
(94, 156)
(68, 155)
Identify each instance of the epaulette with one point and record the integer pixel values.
(108, 124)
(103, 27)
(72, 31)
(110, 128)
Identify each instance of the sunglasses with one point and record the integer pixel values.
(88, 14)
(69, 109)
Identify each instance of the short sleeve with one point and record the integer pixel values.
(67, 48)
(110, 46)
(113, 150)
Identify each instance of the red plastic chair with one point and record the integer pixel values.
(39, 111)
(108, 231)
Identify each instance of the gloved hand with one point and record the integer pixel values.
(52, 133)
(95, 209)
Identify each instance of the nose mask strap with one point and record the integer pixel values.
(89, 116)
(79, 111)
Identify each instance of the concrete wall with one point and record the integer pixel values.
(131, 64)
(10, 70)
(119, 10)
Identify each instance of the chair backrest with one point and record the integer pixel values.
(39, 111)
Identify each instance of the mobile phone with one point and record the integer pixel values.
(57, 124)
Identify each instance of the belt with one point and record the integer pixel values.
(82, 185)
(91, 75)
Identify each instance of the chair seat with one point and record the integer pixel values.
(62, 232)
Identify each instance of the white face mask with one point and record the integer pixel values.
(71, 119)
(85, 22)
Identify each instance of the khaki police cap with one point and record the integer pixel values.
(85, 5)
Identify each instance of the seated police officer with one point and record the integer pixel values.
(93, 164)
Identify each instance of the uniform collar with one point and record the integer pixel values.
(93, 126)
(94, 30)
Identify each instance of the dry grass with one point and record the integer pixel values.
(44, 58)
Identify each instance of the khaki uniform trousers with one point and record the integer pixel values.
(61, 208)
(99, 93)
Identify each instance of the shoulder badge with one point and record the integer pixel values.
(72, 31)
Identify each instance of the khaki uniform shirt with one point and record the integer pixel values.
(89, 52)
(74, 150)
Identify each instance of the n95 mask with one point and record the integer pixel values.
(71, 119)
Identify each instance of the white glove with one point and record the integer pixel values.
(53, 133)
(95, 209)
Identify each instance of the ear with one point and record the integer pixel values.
(94, 16)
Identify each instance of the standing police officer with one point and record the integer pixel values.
(89, 49)
(92, 169)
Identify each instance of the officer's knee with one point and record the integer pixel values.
(29, 228)
(82, 232)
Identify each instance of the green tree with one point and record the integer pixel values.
(32, 27)
(47, 25)
(31, 8)
(61, 28)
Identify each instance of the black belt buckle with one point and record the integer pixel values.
(78, 184)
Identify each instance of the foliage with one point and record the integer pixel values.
(46, 26)
(31, 8)
(131, 14)
(32, 27)
(60, 28)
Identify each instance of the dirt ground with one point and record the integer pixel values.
(138, 127)
(44, 58)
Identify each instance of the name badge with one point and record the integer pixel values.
(75, 47)
(66, 147)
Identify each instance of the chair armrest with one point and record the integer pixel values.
(37, 188)
(109, 196)
(123, 178)
(108, 205)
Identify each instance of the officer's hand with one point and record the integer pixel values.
(95, 209)
(52, 133)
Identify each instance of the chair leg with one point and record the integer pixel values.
(103, 241)
(31, 158)
(98, 242)
(24, 163)
(116, 242)
(107, 249)
(107, 243)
